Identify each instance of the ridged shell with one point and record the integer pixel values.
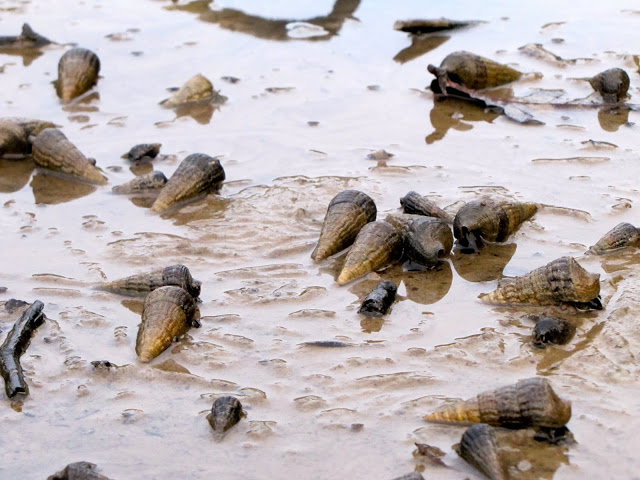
(489, 220)
(414, 203)
(143, 283)
(198, 88)
(377, 303)
(142, 150)
(348, 212)
(621, 236)
(13, 138)
(552, 330)
(149, 181)
(612, 84)
(198, 174)
(376, 246)
(225, 413)
(473, 71)
(479, 448)
(426, 239)
(52, 150)
(78, 71)
(529, 403)
(168, 313)
(562, 280)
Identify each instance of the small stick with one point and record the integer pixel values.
(15, 345)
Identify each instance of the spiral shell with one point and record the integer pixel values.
(142, 151)
(562, 280)
(552, 330)
(13, 138)
(143, 283)
(197, 89)
(414, 203)
(149, 181)
(52, 150)
(479, 448)
(376, 246)
(473, 71)
(426, 239)
(489, 220)
(78, 71)
(529, 403)
(168, 313)
(347, 213)
(612, 84)
(621, 236)
(198, 174)
(225, 413)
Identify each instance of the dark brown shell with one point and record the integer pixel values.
(473, 71)
(377, 303)
(612, 84)
(154, 180)
(78, 71)
(13, 139)
(479, 448)
(428, 240)
(560, 281)
(529, 403)
(168, 313)
(142, 151)
(347, 213)
(552, 330)
(376, 246)
(414, 203)
(489, 220)
(621, 236)
(78, 471)
(143, 283)
(225, 413)
(198, 174)
(52, 150)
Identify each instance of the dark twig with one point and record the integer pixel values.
(15, 345)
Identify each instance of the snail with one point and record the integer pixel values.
(560, 281)
(197, 89)
(154, 180)
(78, 71)
(52, 150)
(479, 448)
(143, 283)
(28, 38)
(198, 174)
(346, 214)
(426, 239)
(168, 312)
(552, 330)
(142, 152)
(16, 135)
(612, 84)
(225, 413)
(377, 303)
(489, 220)
(415, 203)
(621, 236)
(529, 403)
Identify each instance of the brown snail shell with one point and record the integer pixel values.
(426, 239)
(376, 246)
(479, 448)
(414, 203)
(472, 71)
(197, 89)
(142, 151)
(198, 174)
(612, 84)
(78, 71)
(52, 150)
(347, 213)
(13, 139)
(225, 413)
(552, 330)
(529, 403)
(560, 281)
(621, 236)
(149, 181)
(489, 220)
(143, 283)
(168, 313)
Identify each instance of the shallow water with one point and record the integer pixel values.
(312, 411)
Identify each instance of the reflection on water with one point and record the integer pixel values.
(613, 118)
(14, 174)
(485, 265)
(201, 112)
(269, 29)
(51, 189)
(455, 113)
(419, 46)
(83, 104)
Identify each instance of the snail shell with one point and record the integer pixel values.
(479, 448)
(552, 330)
(472, 71)
(489, 220)
(198, 174)
(78, 71)
(198, 88)
(13, 138)
(426, 239)
(52, 150)
(621, 236)
(225, 413)
(376, 246)
(143, 283)
(529, 403)
(347, 213)
(142, 150)
(379, 300)
(168, 313)
(612, 84)
(149, 181)
(415, 203)
(562, 280)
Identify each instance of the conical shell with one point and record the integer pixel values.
(612, 84)
(475, 72)
(621, 236)
(347, 213)
(479, 448)
(78, 71)
(198, 174)
(154, 180)
(489, 220)
(225, 413)
(198, 88)
(428, 240)
(529, 403)
(52, 150)
(13, 138)
(376, 246)
(414, 203)
(143, 283)
(562, 280)
(168, 313)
